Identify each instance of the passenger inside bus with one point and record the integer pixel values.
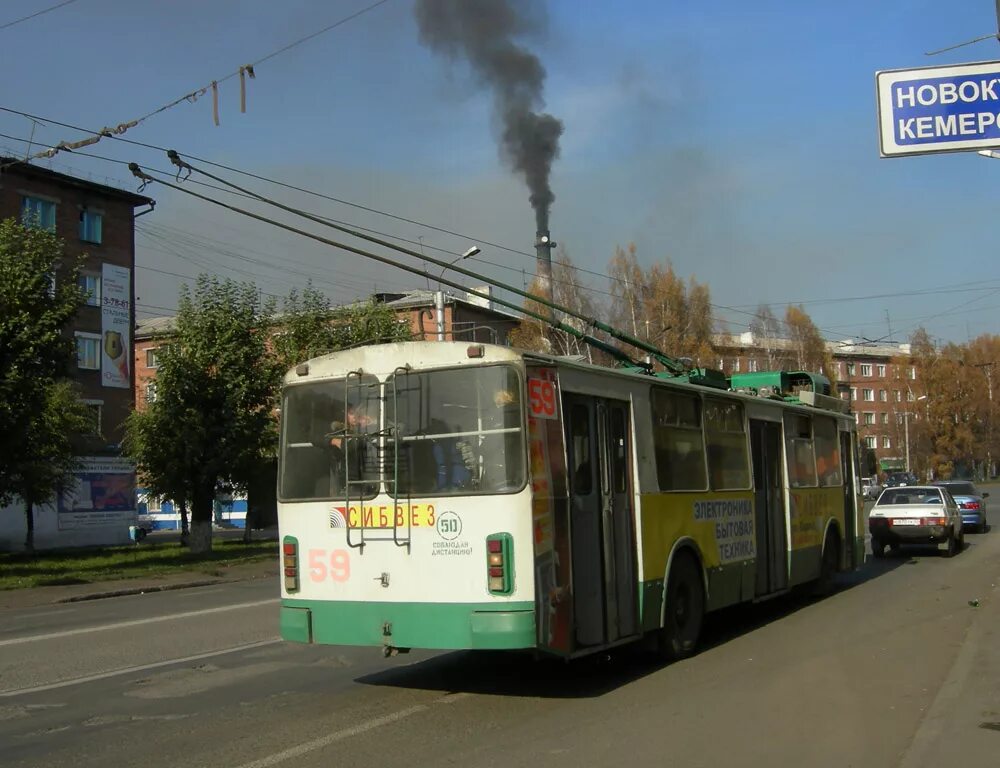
(353, 454)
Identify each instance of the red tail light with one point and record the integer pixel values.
(969, 505)
(934, 521)
(290, 563)
(500, 563)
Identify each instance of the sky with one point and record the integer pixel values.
(736, 140)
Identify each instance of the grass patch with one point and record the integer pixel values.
(84, 566)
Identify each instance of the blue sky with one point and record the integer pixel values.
(738, 140)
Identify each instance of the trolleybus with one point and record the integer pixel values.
(444, 495)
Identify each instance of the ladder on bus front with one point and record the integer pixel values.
(370, 458)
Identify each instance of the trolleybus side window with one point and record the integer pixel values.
(726, 440)
(327, 433)
(677, 441)
(799, 448)
(457, 431)
(827, 452)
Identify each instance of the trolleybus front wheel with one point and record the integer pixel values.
(684, 609)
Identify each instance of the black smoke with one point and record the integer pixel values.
(482, 32)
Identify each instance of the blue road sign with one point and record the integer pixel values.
(938, 109)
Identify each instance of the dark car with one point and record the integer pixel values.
(971, 503)
(898, 479)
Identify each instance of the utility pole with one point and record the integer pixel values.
(988, 370)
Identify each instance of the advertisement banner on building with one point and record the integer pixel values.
(116, 313)
(102, 495)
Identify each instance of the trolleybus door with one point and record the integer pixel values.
(769, 507)
(601, 520)
(850, 497)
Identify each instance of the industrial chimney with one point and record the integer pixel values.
(543, 254)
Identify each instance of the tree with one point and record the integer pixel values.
(808, 348)
(39, 413)
(48, 458)
(569, 291)
(657, 306)
(766, 330)
(308, 327)
(211, 423)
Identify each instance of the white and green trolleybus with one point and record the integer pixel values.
(452, 496)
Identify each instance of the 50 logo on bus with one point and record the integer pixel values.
(326, 565)
(542, 398)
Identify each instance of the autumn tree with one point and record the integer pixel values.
(767, 336)
(808, 351)
(658, 306)
(570, 291)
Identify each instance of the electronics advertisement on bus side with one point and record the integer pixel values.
(733, 522)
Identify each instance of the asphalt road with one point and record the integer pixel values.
(895, 669)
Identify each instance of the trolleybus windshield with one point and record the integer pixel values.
(457, 431)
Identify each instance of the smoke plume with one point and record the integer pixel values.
(482, 32)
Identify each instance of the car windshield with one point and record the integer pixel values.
(909, 496)
(961, 489)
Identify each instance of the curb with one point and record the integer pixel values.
(141, 590)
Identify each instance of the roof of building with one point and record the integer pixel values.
(17, 167)
(155, 326)
(847, 348)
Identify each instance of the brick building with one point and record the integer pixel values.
(97, 222)
(877, 380)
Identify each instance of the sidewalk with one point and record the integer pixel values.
(36, 596)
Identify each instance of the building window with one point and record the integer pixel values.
(850, 369)
(869, 417)
(885, 417)
(886, 442)
(868, 395)
(151, 361)
(870, 441)
(866, 369)
(36, 212)
(854, 393)
(151, 392)
(881, 371)
(899, 396)
(913, 372)
(88, 351)
(909, 396)
(752, 365)
(154, 504)
(857, 417)
(883, 396)
(94, 411)
(90, 226)
(90, 285)
(736, 365)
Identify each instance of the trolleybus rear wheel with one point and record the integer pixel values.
(684, 610)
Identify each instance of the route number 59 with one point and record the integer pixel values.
(542, 398)
(335, 565)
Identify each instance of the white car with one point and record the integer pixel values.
(870, 487)
(916, 514)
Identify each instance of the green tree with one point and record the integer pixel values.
(39, 413)
(211, 424)
(308, 327)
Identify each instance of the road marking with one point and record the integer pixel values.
(135, 622)
(346, 733)
(325, 741)
(141, 668)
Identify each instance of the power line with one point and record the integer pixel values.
(37, 14)
(192, 96)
